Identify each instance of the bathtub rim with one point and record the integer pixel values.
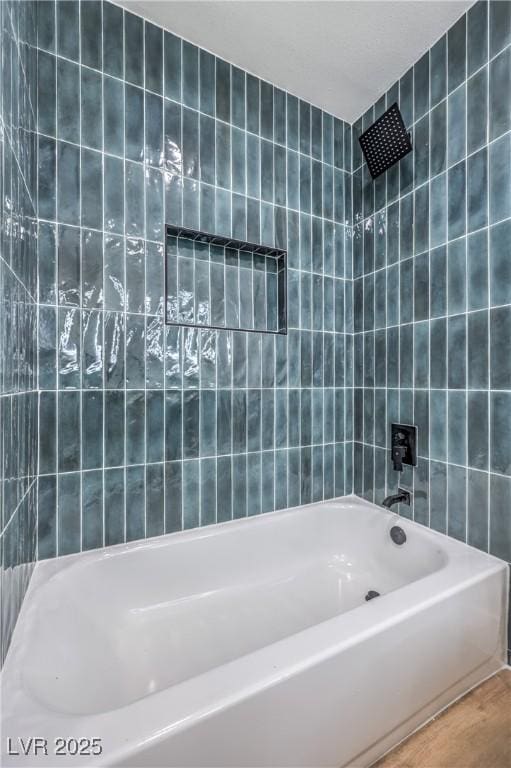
(45, 569)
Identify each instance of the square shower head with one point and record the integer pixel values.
(385, 142)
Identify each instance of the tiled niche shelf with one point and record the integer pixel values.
(219, 283)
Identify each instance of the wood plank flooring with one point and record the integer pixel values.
(474, 732)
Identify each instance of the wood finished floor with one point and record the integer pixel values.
(475, 732)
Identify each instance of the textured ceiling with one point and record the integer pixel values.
(340, 56)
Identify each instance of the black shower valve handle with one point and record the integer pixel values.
(398, 454)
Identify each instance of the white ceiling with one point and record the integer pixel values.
(339, 55)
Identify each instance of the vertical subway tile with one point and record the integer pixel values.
(438, 147)
(500, 266)
(90, 26)
(456, 127)
(438, 501)
(191, 491)
(134, 45)
(456, 277)
(500, 360)
(114, 501)
(478, 429)
(91, 189)
(477, 110)
(457, 352)
(190, 74)
(46, 93)
(456, 499)
(477, 270)
(500, 452)
(92, 430)
(499, 179)
(456, 439)
(477, 510)
(477, 36)
(69, 514)
(91, 104)
(499, 73)
(477, 350)
(47, 516)
(456, 213)
(477, 191)
(68, 29)
(438, 425)
(456, 53)
(114, 428)
(92, 510)
(113, 40)
(500, 26)
(135, 503)
(172, 65)
(155, 516)
(153, 47)
(134, 120)
(438, 353)
(68, 101)
(223, 90)
(114, 111)
(154, 426)
(500, 530)
(173, 496)
(438, 70)
(68, 183)
(69, 431)
(47, 435)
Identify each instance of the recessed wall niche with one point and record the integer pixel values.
(216, 282)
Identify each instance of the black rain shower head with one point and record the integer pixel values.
(385, 142)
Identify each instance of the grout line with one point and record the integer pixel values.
(80, 351)
(467, 181)
(57, 245)
(488, 280)
(125, 317)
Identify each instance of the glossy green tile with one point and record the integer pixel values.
(477, 36)
(500, 533)
(500, 26)
(114, 501)
(477, 266)
(90, 33)
(456, 125)
(499, 179)
(134, 43)
(456, 53)
(500, 265)
(477, 510)
(438, 70)
(68, 101)
(500, 360)
(499, 73)
(91, 104)
(500, 450)
(153, 46)
(69, 514)
(113, 40)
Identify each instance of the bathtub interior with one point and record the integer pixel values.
(155, 616)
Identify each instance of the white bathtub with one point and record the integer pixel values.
(251, 643)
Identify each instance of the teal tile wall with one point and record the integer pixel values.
(18, 312)
(432, 288)
(147, 428)
(399, 287)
